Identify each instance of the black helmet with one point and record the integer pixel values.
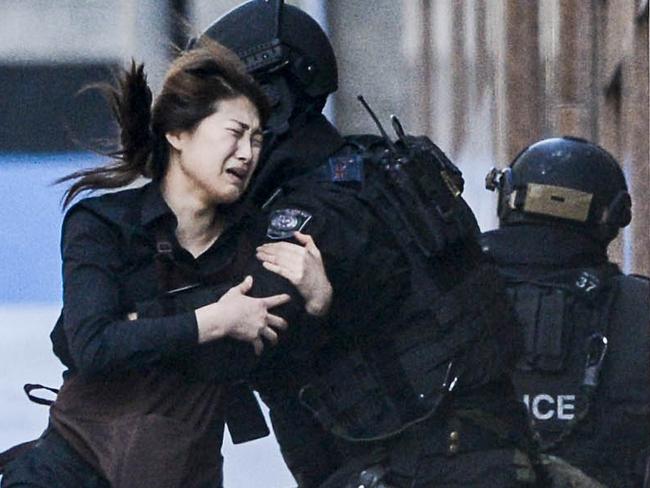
(564, 179)
(284, 48)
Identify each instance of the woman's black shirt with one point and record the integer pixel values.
(109, 249)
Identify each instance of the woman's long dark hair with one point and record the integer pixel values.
(196, 81)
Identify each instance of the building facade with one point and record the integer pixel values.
(483, 78)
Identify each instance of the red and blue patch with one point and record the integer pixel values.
(345, 168)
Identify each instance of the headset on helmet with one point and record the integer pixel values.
(564, 179)
(285, 49)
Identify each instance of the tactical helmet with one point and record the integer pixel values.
(283, 48)
(567, 180)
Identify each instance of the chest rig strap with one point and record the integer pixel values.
(596, 346)
(173, 276)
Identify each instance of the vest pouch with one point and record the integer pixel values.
(351, 401)
(542, 311)
(550, 306)
(462, 328)
(415, 192)
(427, 366)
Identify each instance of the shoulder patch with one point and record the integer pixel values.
(284, 222)
(345, 168)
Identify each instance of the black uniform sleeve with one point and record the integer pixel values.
(351, 242)
(99, 336)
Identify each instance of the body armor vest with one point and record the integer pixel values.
(584, 369)
(451, 328)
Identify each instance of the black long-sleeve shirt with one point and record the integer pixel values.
(132, 392)
(99, 292)
(110, 272)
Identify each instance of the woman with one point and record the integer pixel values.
(147, 345)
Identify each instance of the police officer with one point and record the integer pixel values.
(406, 384)
(584, 368)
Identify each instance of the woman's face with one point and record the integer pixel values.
(216, 160)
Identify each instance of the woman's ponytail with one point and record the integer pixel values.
(130, 102)
(193, 87)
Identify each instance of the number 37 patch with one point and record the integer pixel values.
(284, 222)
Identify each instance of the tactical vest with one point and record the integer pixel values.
(453, 327)
(584, 369)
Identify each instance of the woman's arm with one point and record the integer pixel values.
(101, 339)
(241, 317)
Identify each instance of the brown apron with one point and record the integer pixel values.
(144, 429)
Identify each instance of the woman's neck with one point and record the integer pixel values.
(199, 224)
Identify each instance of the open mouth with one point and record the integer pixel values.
(239, 173)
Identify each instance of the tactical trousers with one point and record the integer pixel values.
(51, 463)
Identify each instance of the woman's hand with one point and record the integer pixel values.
(241, 317)
(303, 266)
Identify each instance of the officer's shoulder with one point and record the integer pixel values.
(348, 166)
(338, 174)
(639, 277)
(492, 241)
(489, 236)
(362, 142)
(633, 292)
(633, 280)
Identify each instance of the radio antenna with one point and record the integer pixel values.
(390, 143)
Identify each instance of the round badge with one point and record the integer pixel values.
(284, 222)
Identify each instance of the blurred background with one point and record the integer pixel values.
(482, 78)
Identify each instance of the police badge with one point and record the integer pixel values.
(284, 222)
